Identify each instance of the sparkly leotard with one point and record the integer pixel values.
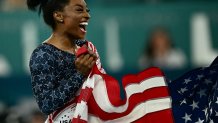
(55, 80)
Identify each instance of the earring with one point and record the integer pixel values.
(61, 21)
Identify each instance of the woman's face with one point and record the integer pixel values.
(160, 41)
(76, 17)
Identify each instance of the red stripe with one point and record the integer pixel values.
(78, 120)
(145, 74)
(134, 100)
(113, 87)
(113, 90)
(85, 94)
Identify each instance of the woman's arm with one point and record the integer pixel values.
(50, 92)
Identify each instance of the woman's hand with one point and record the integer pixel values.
(85, 62)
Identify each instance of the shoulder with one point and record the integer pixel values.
(42, 53)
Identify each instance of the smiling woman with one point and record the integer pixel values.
(56, 73)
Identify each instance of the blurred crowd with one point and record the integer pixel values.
(26, 111)
(160, 51)
(13, 5)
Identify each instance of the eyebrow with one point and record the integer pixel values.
(80, 5)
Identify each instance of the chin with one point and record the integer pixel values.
(81, 37)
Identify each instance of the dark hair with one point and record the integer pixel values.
(48, 7)
(161, 30)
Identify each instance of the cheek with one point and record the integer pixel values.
(70, 26)
(70, 19)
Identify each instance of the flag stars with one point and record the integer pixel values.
(187, 117)
(211, 110)
(187, 81)
(200, 121)
(212, 71)
(183, 102)
(216, 114)
(211, 121)
(195, 85)
(207, 81)
(183, 90)
(202, 92)
(199, 77)
(194, 105)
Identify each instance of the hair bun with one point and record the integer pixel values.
(33, 4)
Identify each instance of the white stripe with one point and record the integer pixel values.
(81, 110)
(138, 112)
(101, 96)
(145, 85)
(91, 46)
(90, 82)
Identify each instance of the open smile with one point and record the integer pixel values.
(83, 26)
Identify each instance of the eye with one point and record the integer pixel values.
(79, 9)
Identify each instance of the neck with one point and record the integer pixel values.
(61, 41)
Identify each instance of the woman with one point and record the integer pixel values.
(57, 74)
(161, 52)
(55, 71)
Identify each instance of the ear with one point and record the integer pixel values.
(58, 17)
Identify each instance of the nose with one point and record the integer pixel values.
(87, 15)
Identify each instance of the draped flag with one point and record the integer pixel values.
(195, 95)
(147, 100)
(192, 98)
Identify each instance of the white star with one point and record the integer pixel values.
(202, 92)
(216, 113)
(200, 77)
(187, 81)
(183, 90)
(187, 117)
(183, 102)
(199, 121)
(211, 121)
(214, 86)
(205, 110)
(196, 85)
(207, 81)
(212, 71)
(210, 103)
(194, 105)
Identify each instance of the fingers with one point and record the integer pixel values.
(86, 59)
(85, 62)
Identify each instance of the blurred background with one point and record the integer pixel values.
(130, 35)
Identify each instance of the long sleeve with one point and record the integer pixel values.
(51, 88)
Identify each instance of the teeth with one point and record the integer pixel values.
(84, 23)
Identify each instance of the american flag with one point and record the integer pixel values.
(147, 100)
(195, 95)
(192, 98)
